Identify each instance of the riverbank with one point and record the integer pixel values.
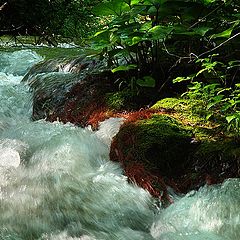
(168, 144)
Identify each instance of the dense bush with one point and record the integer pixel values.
(68, 18)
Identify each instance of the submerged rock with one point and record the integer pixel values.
(81, 91)
(68, 89)
(84, 99)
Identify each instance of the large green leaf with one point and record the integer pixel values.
(146, 26)
(201, 30)
(103, 33)
(181, 79)
(113, 7)
(154, 2)
(160, 32)
(134, 2)
(225, 34)
(147, 81)
(207, 2)
(230, 118)
(136, 40)
(214, 101)
(184, 30)
(101, 39)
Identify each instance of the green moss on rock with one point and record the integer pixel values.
(192, 114)
(190, 109)
(121, 100)
(172, 104)
(169, 149)
(161, 143)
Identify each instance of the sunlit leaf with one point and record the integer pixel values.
(160, 32)
(124, 68)
(113, 7)
(101, 32)
(225, 34)
(209, 1)
(146, 26)
(230, 118)
(209, 116)
(136, 40)
(181, 79)
(215, 101)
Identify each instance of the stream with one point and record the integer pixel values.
(57, 183)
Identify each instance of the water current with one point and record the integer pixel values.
(57, 183)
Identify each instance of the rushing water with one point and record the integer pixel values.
(57, 183)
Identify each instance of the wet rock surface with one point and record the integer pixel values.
(68, 90)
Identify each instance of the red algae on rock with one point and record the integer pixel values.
(151, 151)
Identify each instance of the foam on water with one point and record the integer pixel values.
(210, 213)
(18, 62)
(56, 182)
(68, 184)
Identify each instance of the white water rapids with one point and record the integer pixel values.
(57, 183)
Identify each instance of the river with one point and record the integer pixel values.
(57, 183)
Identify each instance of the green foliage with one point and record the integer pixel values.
(144, 41)
(124, 68)
(188, 109)
(148, 32)
(146, 81)
(164, 125)
(68, 18)
(234, 122)
(218, 90)
(120, 100)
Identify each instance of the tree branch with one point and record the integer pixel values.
(220, 45)
(204, 18)
(1, 8)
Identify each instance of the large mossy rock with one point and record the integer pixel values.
(185, 109)
(175, 147)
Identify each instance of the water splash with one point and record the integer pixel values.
(18, 62)
(108, 129)
(57, 181)
(68, 184)
(210, 213)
